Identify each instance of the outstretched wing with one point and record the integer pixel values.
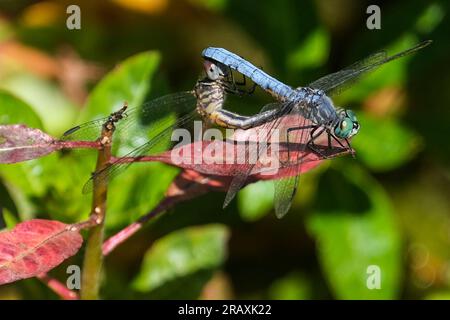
(336, 82)
(159, 128)
(297, 131)
(264, 135)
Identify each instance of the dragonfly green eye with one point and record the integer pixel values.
(348, 126)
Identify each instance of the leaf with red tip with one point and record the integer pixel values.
(35, 247)
(20, 143)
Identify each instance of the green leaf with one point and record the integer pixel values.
(15, 111)
(137, 191)
(384, 144)
(355, 229)
(294, 286)
(439, 295)
(312, 53)
(10, 219)
(45, 97)
(255, 200)
(128, 82)
(180, 254)
(212, 5)
(430, 18)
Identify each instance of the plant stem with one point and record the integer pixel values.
(93, 258)
(57, 287)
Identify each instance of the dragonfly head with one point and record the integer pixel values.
(347, 126)
(215, 70)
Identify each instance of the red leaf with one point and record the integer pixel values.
(34, 247)
(20, 143)
(278, 159)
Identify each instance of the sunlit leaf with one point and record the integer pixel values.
(147, 184)
(182, 253)
(256, 200)
(430, 18)
(312, 53)
(294, 286)
(384, 144)
(46, 98)
(15, 111)
(356, 233)
(129, 82)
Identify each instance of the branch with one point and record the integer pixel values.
(60, 289)
(93, 258)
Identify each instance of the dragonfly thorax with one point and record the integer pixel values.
(320, 109)
(210, 97)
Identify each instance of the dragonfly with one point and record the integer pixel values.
(312, 102)
(205, 102)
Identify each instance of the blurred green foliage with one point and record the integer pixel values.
(389, 207)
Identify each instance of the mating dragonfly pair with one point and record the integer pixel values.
(311, 106)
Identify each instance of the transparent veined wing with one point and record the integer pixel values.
(252, 156)
(135, 119)
(335, 83)
(292, 152)
(152, 124)
(285, 188)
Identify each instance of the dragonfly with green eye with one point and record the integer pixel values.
(207, 101)
(312, 102)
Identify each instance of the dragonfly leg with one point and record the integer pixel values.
(241, 83)
(312, 126)
(314, 136)
(235, 84)
(348, 147)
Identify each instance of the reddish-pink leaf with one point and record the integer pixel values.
(35, 247)
(279, 158)
(20, 143)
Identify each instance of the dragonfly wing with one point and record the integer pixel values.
(286, 188)
(134, 118)
(87, 131)
(160, 129)
(244, 170)
(335, 83)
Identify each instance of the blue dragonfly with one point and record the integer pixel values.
(312, 102)
(150, 126)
